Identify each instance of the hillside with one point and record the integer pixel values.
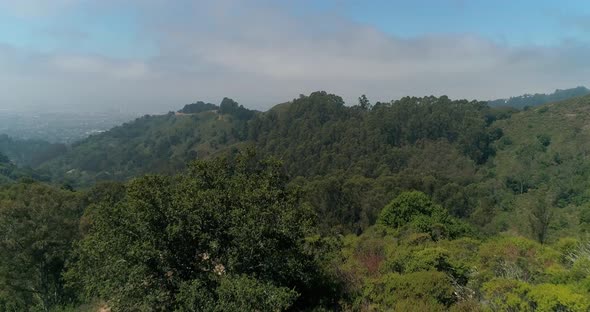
(478, 162)
(543, 156)
(349, 159)
(427, 204)
(10, 173)
(150, 144)
(530, 100)
(29, 152)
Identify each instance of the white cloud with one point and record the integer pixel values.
(35, 8)
(101, 66)
(261, 55)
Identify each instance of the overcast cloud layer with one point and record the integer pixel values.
(261, 54)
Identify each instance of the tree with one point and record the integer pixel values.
(188, 233)
(364, 103)
(38, 224)
(540, 208)
(417, 211)
(405, 208)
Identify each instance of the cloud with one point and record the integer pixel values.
(101, 66)
(260, 53)
(36, 8)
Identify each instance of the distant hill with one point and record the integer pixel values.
(198, 107)
(29, 152)
(545, 151)
(347, 157)
(530, 100)
(153, 143)
(9, 172)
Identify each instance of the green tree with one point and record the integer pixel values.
(540, 209)
(406, 207)
(38, 224)
(364, 103)
(173, 235)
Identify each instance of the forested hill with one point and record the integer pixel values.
(419, 204)
(153, 143)
(313, 134)
(9, 172)
(351, 160)
(530, 100)
(30, 153)
(543, 162)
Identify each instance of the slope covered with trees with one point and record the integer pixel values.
(9, 172)
(543, 167)
(156, 144)
(30, 153)
(420, 204)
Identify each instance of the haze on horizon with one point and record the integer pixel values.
(155, 55)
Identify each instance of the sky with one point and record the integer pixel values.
(157, 55)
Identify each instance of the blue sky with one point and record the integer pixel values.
(518, 22)
(157, 54)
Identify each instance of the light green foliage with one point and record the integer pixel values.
(406, 208)
(548, 297)
(512, 295)
(548, 156)
(516, 258)
(497, 274)
(386, 271)
(426, 286)
(247, 294)
(506, 295)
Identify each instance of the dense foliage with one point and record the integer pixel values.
(223, 228)
(30, 152)
(38, 225)
(420, 204)
(9, 172)
(198, 107)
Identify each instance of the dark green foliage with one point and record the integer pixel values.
(430, 144)
(38, 225)
(544, 139)
(198, 107)
(228, 217)
(235, 293)
(364, 103)
(151, 144)
(482, 200)
(30, 152)
(232, 108)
